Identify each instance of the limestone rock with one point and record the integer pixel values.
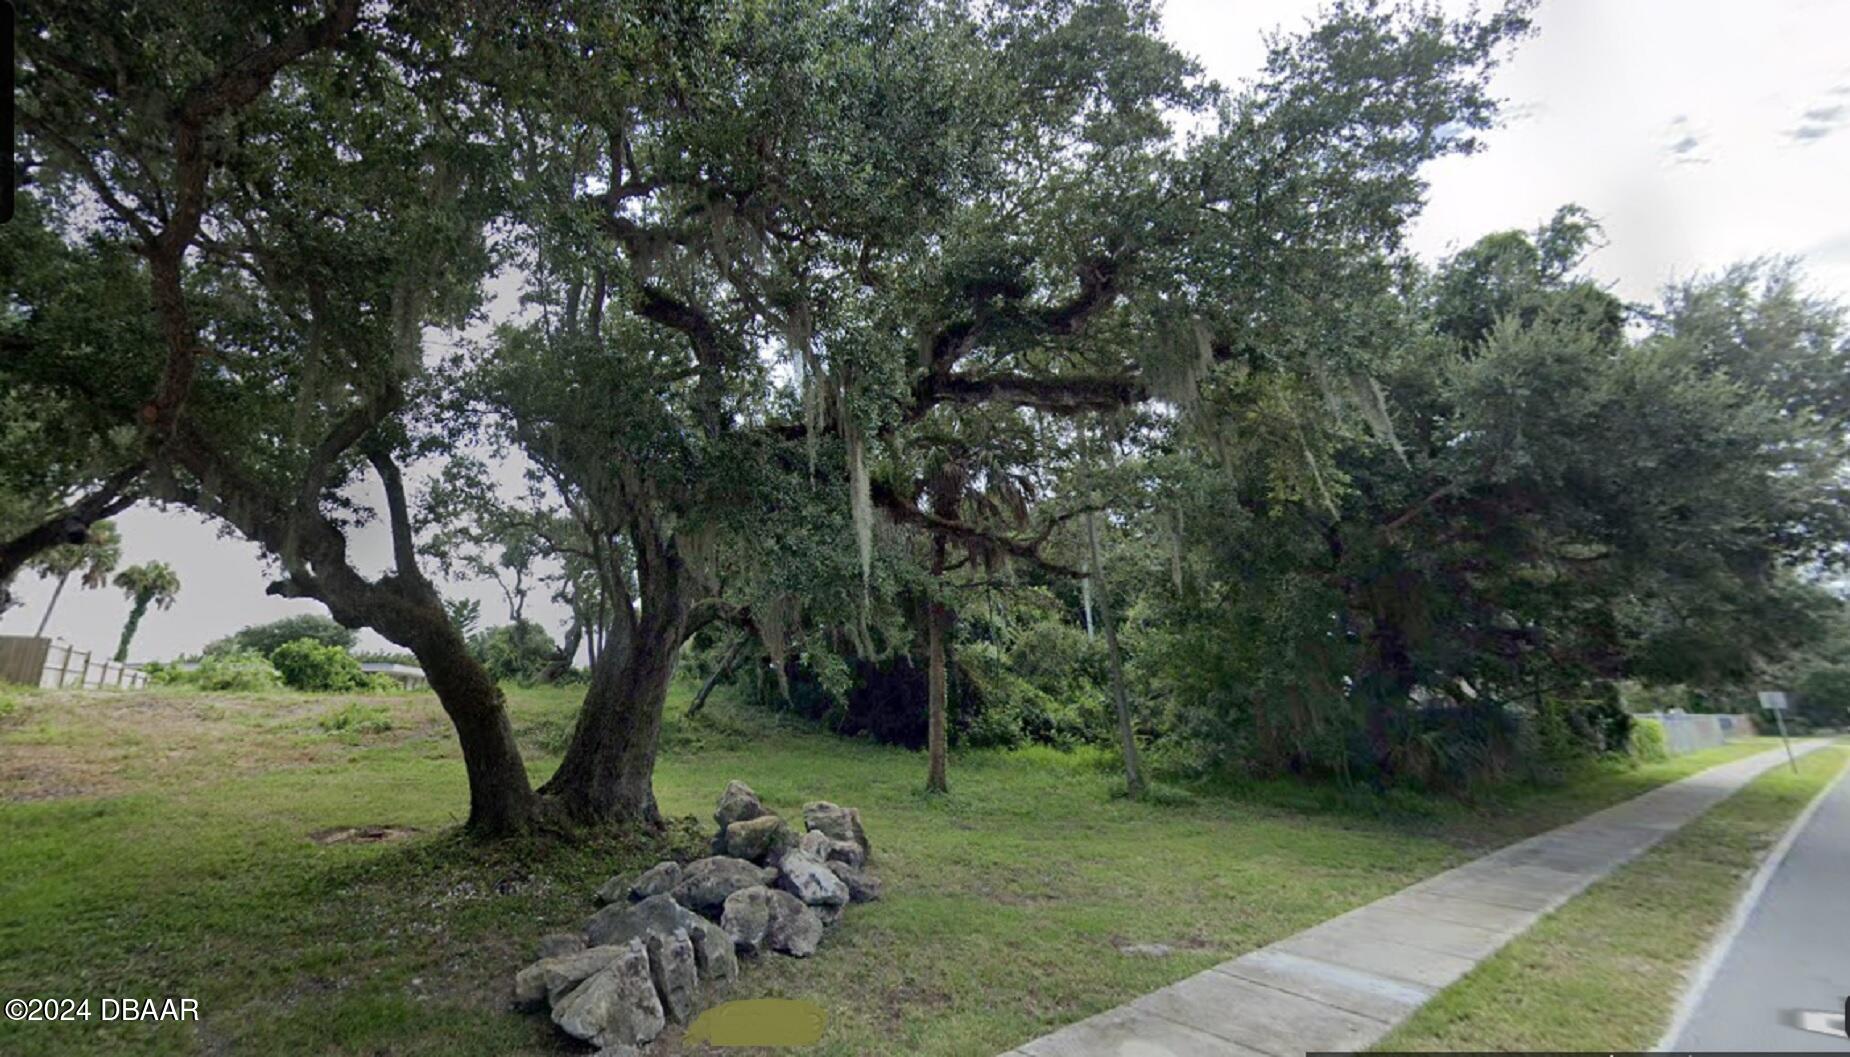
(617, 1006)
(615, 890)
(556, 944)
(863, 886)
(840, 823)
(761, 840)
(826, 848)
(706, 883)
(619, 923)
(550, 978)
(737, 804)
(677, 981)
(846, 851)
(747, 918)
(657, 880)
(795, 929)
(714, 956)
(830, 916)
(816, 843)
(810, 880)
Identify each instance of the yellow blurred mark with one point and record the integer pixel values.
(759, 1022)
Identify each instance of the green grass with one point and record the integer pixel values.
(1605, 971)
(357, 719)
(158, 844)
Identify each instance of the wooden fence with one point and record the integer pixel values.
(60, 665)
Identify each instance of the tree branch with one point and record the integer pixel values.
(905, 511)
(404, 545)
(68, 525)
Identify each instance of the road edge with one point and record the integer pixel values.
(1698, 980)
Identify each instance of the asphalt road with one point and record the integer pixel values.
(1792, 954)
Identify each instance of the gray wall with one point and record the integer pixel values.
(1686, 732)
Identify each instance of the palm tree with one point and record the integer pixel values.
(95, 557)
(154, 582)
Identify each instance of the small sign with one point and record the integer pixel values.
(1773, 700)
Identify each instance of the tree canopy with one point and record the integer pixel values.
(881, 333)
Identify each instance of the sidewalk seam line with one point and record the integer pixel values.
(1146, 1011)
(1308, 998)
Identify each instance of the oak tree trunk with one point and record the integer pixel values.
(405, 607)
(1133, 770)
(501, 798)
(936, 618)
(725, 667)
(609, 767)
(408, 612)
(608, 773)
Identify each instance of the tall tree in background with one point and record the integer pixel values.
(148, 584)
(1554, 505)
(95, 558)
(266, 638)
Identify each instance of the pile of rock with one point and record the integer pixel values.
(660, 937)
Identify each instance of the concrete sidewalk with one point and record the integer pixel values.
(1346, 983)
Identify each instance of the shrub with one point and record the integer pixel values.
(307, 664)
(1056, 656)
(1648, 742)
(1570, 730)
(240, 672)
(518, 652)
(1824, 695)
(1014, 709)
(1459, 745)
(1608, 727)
(267, 638)
(357, 718)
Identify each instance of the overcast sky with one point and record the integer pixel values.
(1699, 132)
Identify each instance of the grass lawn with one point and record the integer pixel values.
(160, 844)
(1605, 971)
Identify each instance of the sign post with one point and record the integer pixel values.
(1774, 701)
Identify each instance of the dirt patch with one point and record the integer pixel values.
(361, 834)
(1145, 949)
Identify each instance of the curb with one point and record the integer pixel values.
(1698, 981)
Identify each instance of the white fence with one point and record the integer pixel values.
(60, 665)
